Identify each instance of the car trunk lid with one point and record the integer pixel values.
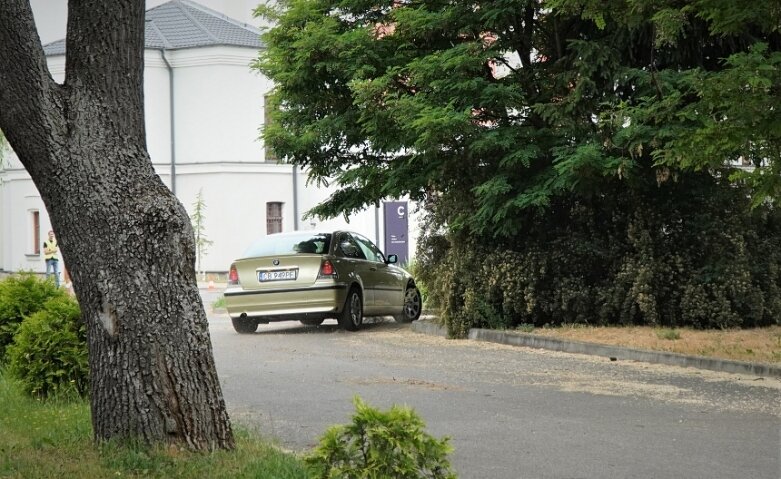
(279, 272)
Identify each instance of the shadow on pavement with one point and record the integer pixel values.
(329, 327)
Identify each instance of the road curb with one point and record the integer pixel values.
(612, 352)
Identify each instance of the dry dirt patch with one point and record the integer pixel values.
(760, 345)
(630, 379)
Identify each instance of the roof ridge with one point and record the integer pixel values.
(163, 38)
(181, 6)
(218, 14)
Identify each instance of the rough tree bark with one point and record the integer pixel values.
(126, 238)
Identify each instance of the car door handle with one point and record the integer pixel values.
(372, 269)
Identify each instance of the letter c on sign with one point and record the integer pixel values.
(400, 211)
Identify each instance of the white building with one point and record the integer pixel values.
(204, 110)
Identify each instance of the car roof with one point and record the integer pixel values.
(312, 232)
(258, 242)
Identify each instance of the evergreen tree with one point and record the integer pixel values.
(501, 106)
(198, 220)
(578, 158)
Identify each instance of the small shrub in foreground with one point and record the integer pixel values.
(380, 445)
(49, 353)
(21, 295)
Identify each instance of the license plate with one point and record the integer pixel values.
(278, 275)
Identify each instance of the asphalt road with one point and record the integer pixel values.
(510, 412)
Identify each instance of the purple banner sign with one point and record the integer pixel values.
(397, 230)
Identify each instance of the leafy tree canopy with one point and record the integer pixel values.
(498, 107)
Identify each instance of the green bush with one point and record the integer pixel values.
(21, 295)
(682, 254)
(414, 268)
(49, 352)
(380, 445)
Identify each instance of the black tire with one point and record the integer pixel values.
(413, 306)
(351, 316)
(312, 322)
(244, 325)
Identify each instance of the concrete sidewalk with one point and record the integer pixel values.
(615, 353)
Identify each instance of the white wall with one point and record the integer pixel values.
(218, 104)
(19, 199)
(235, 198)
(157, 108)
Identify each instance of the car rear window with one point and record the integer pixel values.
(277, 245)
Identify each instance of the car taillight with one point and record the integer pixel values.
(233, 275)
(327, 270)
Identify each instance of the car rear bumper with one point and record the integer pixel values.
(280, 304)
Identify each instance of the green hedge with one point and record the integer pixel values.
(687, 253)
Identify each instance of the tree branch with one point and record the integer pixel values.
(105, 55)
(29, 96)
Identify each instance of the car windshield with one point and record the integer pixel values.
(297, 243)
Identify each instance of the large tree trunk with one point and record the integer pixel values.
(125, 237)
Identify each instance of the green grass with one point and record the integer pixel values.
(53, 439)
(220, 303)
(667, 333)
(525, 328)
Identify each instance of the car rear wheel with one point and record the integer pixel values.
(412, 306)
(244, 325)
(351, 317)
(312, 322)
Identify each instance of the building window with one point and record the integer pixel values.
(273, 218)
(269, 155)
(35, 218)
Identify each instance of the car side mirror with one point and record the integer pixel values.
(392, 259)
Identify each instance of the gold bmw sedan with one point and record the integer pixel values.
(310, 276)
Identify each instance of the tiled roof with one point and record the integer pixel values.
(185, 24)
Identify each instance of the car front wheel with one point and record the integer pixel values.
(412, 306)
(244, 325)
(351, 317)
